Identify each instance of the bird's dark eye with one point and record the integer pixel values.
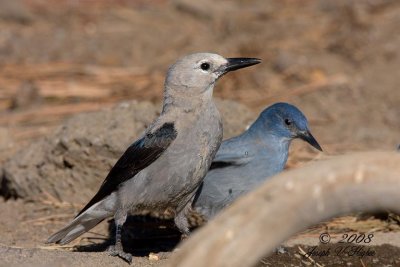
(288, 122)
(205, 66)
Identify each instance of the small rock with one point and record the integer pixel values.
(153, 257)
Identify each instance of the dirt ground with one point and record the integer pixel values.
(338, 61)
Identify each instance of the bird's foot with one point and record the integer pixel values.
(119, 252)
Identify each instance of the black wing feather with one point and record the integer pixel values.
(138, 156)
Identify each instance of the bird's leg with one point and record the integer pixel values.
(182, 224)
(117, 249)
(181, 221)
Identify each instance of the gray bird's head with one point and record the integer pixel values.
(196, 74)
(286, 121)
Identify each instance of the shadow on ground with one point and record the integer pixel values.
(141, 235)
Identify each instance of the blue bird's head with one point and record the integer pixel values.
(287, 121)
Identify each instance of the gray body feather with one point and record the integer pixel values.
(164, 168)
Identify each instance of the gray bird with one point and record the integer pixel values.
(245, 161)
(166, 165)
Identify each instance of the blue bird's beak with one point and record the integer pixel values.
(307, 136)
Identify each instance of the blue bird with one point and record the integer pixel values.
(245, 161)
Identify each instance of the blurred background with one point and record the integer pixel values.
(338, 61)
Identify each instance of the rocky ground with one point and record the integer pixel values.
(79, 80)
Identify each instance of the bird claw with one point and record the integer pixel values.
(118, 252)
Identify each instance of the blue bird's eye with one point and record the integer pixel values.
(288, 122)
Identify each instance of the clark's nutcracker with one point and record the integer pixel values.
(164, 168)
(245, 161)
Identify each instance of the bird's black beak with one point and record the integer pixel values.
(307, 136)
(238, 63)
